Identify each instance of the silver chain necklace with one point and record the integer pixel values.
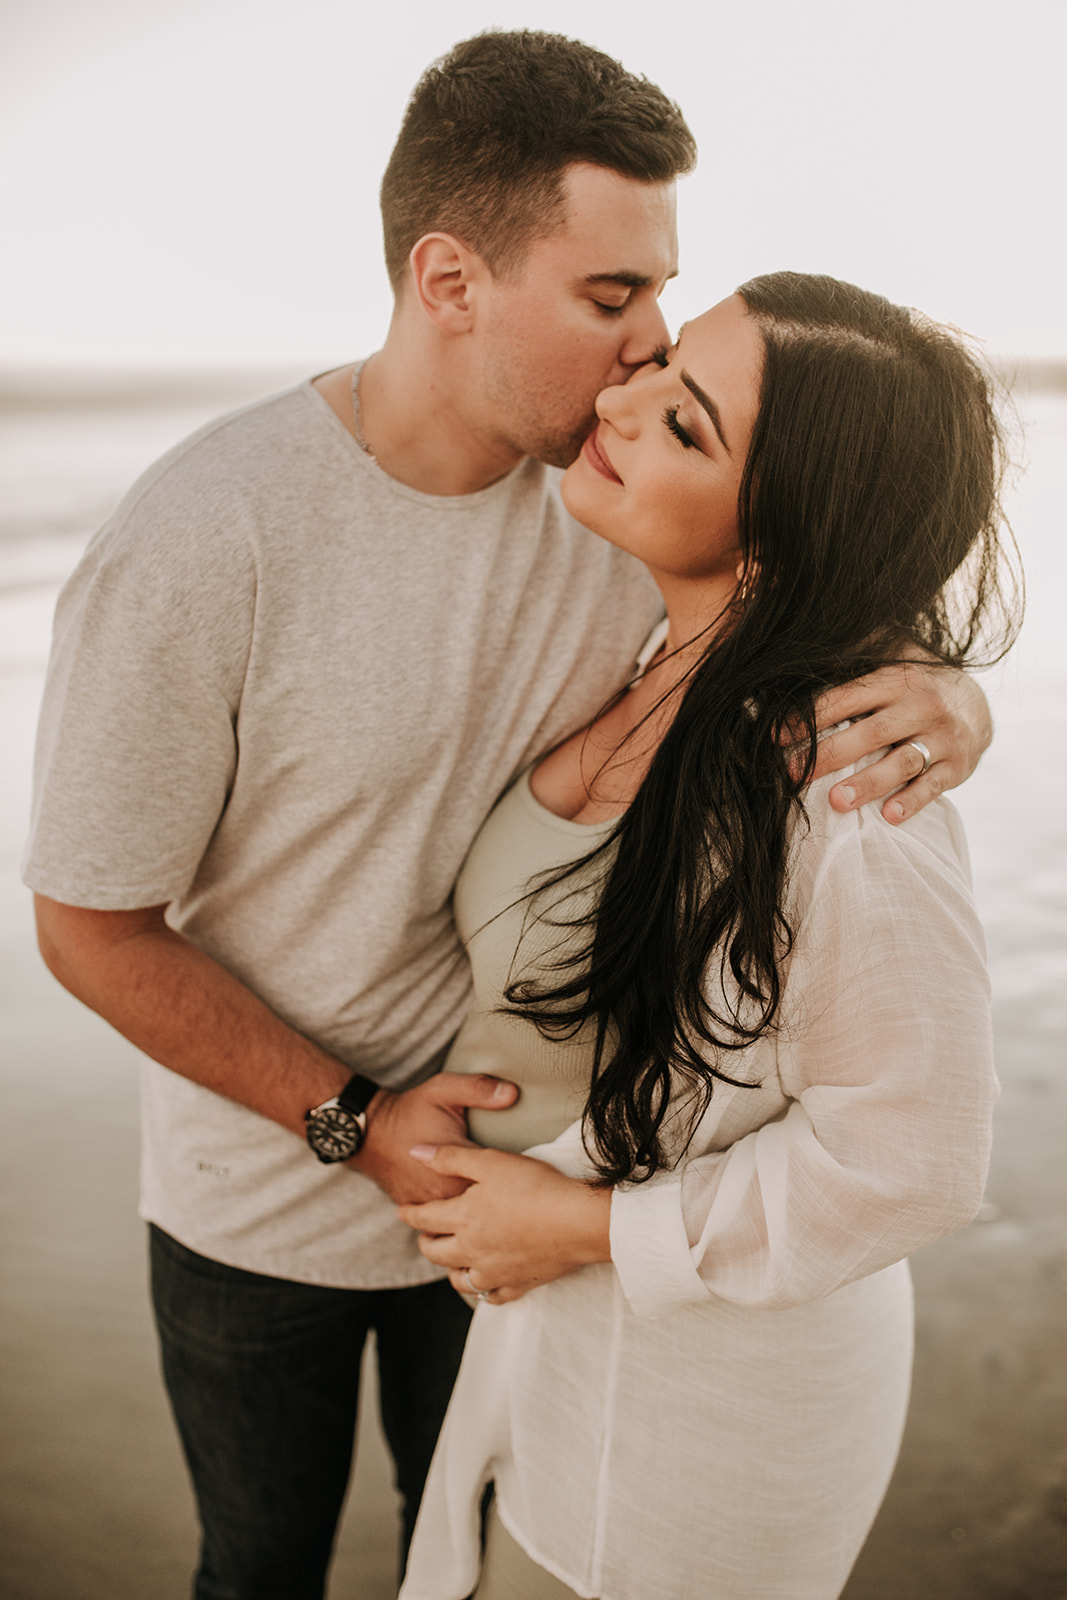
(357, 415)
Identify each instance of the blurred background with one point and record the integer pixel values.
(189, 202)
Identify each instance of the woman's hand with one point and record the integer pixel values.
(435, 1109)
(941, 708)
(520, 1223)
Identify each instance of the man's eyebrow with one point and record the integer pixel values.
(709, 406)
(625, 280)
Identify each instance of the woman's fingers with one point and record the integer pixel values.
(491, 1297)
(456, 1160)
(443, 1251)
(520, 1222)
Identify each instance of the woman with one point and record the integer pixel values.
(769, 1020)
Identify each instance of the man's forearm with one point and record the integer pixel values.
(192, 1015)
(185, 1010)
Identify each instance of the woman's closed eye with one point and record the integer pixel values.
(671, 423)
(661, 357)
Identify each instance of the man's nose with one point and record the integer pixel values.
(646, 334)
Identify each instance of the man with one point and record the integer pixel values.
(263, 756)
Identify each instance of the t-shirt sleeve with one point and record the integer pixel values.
(885, 1062)
(137, 745)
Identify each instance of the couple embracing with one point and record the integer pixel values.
(386, 778)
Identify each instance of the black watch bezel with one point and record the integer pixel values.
(336, 1129)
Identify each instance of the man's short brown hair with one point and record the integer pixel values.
(491, 128)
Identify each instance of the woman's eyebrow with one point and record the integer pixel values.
(709, 406)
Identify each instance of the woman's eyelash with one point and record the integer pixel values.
(670, 419)
(661, 356)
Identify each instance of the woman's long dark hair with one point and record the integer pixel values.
(872, 480)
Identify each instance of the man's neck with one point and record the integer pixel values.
(409, 423)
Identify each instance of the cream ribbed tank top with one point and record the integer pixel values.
(520, 839)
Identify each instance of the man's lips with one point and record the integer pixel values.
(596, 458)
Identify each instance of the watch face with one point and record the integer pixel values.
(334, 1133)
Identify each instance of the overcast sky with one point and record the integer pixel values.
(196, 180)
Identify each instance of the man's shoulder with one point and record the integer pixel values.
(268, 437)
(241, 480)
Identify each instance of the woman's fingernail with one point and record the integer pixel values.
(849, 794)
(894, 811)
(502, 1093)
(423, 1152)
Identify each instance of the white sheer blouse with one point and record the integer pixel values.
(717, 1412)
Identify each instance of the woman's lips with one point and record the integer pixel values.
(597, 459)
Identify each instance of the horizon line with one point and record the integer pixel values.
(48, 385)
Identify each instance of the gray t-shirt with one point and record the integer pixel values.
(285, 691)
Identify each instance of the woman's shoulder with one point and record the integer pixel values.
(861, 843)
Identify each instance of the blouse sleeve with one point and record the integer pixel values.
(884, 1060)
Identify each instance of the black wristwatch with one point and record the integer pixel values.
(337, 1128)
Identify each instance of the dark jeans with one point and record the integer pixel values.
(263, 1376)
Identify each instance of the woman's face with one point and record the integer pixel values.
(659, 475)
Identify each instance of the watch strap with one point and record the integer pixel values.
(357, 1094)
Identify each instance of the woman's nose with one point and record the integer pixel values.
(615, 405)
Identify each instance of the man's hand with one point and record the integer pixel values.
(519, 1223)
(434, 1112)
(944, 709)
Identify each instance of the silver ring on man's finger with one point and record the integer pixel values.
(479, 1294)
(928, 760)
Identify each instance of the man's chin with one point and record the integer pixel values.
(562, 452)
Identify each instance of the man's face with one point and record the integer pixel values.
(581, 313)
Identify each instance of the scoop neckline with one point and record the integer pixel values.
(552, 818)
(567, 824)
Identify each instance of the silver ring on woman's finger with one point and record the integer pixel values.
(471, 1287)
(928, 760)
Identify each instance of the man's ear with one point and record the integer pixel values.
(445, 277)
